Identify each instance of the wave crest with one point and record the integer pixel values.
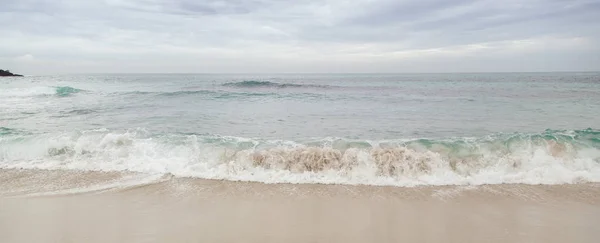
(268, 84)
(64, 91)
(389, 162)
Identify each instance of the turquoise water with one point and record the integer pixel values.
(398, 129)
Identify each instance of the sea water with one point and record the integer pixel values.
(372, 129)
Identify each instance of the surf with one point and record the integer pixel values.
(550, 157)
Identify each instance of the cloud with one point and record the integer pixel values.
(299, 36)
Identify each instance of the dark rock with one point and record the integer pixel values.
(6, 73)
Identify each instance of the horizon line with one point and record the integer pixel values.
(288, 73)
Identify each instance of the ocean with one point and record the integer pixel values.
(401, 130)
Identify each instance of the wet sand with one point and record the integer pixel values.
(67, 206)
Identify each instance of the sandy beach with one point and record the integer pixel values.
(68, 206)
(143, 121)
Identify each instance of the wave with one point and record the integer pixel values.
(207, 93)
(7, 131)
(551, 157)
(79, 112)
(64, 91)
(215, 94)
(267, 84)
(60, 91)
(219, 94)
(171, 93)
(25, 92)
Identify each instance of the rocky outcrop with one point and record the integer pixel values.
(6, 73)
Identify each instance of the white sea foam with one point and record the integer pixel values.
(243, 159)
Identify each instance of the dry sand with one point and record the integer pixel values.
(63, 206)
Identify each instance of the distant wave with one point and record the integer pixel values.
(209, 93)
(267, 84)
(174, 93)
(60, 91)
(64, 91)
(221, 94)
(79, 112)
(550, 157)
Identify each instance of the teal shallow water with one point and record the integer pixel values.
(361, 128)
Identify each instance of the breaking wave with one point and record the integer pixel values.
(551, 157)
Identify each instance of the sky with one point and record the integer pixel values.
(316, 36)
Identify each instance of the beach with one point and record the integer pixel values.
(509, 157)
(67, 206)
(143, 121)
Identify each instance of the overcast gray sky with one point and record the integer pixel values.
(233, 36)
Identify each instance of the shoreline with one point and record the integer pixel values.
(28, 183)
(31, 182)
(111, 207)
